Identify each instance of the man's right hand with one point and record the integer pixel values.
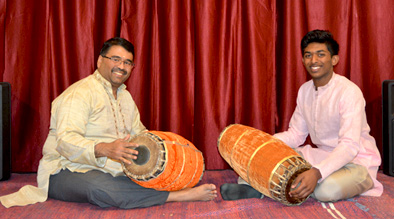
(120, 149)
(305, 183)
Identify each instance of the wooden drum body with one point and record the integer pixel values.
(265, 162)
(166, 162)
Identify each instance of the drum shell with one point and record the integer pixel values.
(183, 165)
(255, 155)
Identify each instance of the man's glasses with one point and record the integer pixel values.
(117, 61)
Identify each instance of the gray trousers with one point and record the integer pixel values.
(103, 189)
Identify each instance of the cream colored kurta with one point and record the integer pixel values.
(84, 115)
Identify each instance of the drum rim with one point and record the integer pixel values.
(297, 170)
(156, 171)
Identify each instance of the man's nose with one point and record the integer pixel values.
(314, 58)
(121, 64)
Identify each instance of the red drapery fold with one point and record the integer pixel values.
(200, 65)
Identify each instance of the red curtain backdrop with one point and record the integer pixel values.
(200, 65)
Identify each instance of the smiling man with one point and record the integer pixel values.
(91, 122)
(331, 110)
(319, 62)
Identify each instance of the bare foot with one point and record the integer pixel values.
(205, 192)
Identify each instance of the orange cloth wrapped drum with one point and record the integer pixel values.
(266, 163)
(165, 161)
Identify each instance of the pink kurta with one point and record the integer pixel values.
(334, 117)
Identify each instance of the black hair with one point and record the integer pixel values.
(117, 41)
(320, 36)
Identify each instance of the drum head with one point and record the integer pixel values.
(151, 158)
(283, 177)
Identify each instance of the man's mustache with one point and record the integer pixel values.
(119, 70)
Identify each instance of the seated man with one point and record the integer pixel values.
(331, 109)
(91, 122)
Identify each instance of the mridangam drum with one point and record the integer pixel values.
(266, 163)
(165, 161)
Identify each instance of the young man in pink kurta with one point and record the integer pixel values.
(331, 110)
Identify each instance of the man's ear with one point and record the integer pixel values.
(335, 60)
(99, 61)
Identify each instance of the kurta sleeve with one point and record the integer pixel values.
(297, 131)
(72, 116)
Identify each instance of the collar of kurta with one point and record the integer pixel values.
(322, 88)
(106, 83)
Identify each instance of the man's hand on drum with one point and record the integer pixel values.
(120, 149)
(305, 183)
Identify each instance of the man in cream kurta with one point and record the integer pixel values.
(98, 127)
(91, 122)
